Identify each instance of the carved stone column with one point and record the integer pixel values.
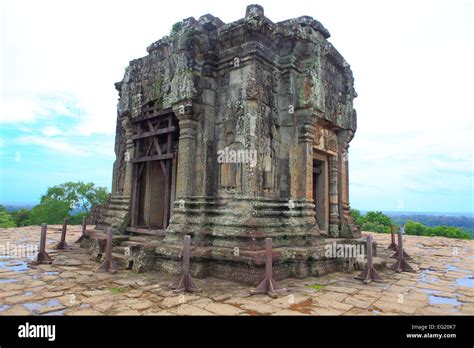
(306, 123)
(187, 149)
(333, 197)
(129, 154)
(348, 227)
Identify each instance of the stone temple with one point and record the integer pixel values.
(232, 133)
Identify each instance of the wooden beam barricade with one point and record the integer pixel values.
(43, 257)
(401, 265)
(83, 235)
(370, 273)
(108, 265)
(268, 285)
(393, 246)
(62, 245)
(185, 282)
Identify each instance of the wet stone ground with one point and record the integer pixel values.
(442, 285)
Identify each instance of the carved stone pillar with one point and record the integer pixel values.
(333, 197)
(187, 149)
(348, 227)
(306, 123)
(129, 154)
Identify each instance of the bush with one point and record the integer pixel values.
(372, 221)
(50, 211)
(79, 195)
(21, 217)
(377, 217)
(374, 227)
(418, 229)
(6, 220)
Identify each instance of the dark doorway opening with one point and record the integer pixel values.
(156, 135)
(320, 193)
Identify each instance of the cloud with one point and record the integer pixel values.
(51, 131)
(411, 62)
(56, 145)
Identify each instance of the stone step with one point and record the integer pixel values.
(114, 213)
(115, 206)
(121, 261)
(119, 200)
(119, 249)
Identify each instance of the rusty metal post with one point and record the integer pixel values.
(185, 282)
(401, 265)
(268, 285)
(393, 246)
(370, 273)
(62, 245)
(108, 264)
(43, 256)
(401, 231)
(83, 235)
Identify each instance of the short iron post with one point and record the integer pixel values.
(401, 265)
(393, 246)
(268, 285)
(83, 235)
(400, 249)
(370, 273)
(108, 264)
(62, 245)
(43, 256)
(185, 282)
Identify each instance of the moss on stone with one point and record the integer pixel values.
(176, 28)
(317, 287)
(114, 290)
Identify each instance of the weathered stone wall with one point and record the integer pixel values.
(279, 90)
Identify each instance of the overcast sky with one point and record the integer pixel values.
(412, 62)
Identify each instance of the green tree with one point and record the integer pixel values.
(6, 219)
(50, 211)
(21, 217)
(378, 217)
(79, 195)
(76, 219)
(357, 216)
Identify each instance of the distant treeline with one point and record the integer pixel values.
(435, 220)
(72, 200)
(376, 221)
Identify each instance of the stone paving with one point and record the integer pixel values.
(442, 285)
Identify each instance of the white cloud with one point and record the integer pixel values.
(411, 62)
(51, 131)
(53, 144)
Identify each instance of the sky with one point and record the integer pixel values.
(412, 63)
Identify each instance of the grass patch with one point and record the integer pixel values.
(116, 290)
(317, 287)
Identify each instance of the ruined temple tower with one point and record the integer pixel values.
(233, 133)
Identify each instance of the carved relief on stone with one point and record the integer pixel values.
(269, 139)
(230, 146)
(317, 136)
(330, 141)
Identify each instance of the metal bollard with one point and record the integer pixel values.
(108, 264)
(370, 273)
(43, 256)
(401, 265)
(185, 282)
(268, 285)
(393, 246)
(401, 231)
(83, 235)
(62, 245)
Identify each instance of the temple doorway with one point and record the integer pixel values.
(156, 135)
(320, 191)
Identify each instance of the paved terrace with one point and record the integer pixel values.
(443, 285)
